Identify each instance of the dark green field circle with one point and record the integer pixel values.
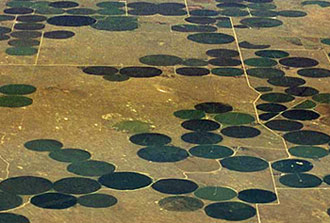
(307, 104)
(200, 20)
(174, 186)
(213, 193)
(211, 151)
(150, 139)
(163, 154)
(261, 22)
(231, 211)
(292, 165)
(265, 72)
(59, 34)
(234, 118)
(91, 168)
(18, 11)
(231, 4)
(264, 13)
(311, 152)
(244, 163)
(26, 34)
(110, 4)
(301, 180)
(116, 77)
(81, 11)
(194, 62)
(284, 125)
(260, 1)
(71, 20)
(13, 218)
(323, 40)
(267, 116)
(23, 42)
(303, 91)
(224, 62)
(200, 125)
(260, 62)
(189, 114)
(6, 18)
(211, 38)
(41, 145)
(307, 137)
(63, 4)
(4, 37)
(76, 185)
(45, 10)
(300, 114)
(298, 62)
(322, 98)
(201, 138)
(26, 185)
(286, 81)
(227, 72)
(240, 131)
(272, 53)
(29, 26)
(110, 12)
(69, 155)
(161, 60)
(203, 12)
(261, 6)
(97, 200)
(257, 196)
(314, 72)
(277, 97)
(192, 71)
(54, 201)
(17, 89)
(292, 13)
(125, 180)
(21, 51)
(141, 72)
(15, 101)
(271, 107)
(233, 12)
(9, 201)
(100, 70)
(222, 53)
(326, 179)
(263, 89)
(4, 30)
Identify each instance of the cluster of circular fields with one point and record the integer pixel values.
(93, 175)
(259, 14)
(222, 205)
(63, 193)
(13, 95)
(157, 148)
(290, 121)
(205, 134)
(31, 18)
(225, 62)
(113, 74)
(293, 173)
